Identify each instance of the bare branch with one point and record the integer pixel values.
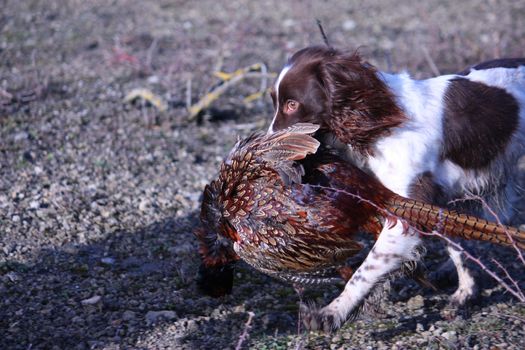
(246, 332)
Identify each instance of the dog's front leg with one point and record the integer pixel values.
(394, 246)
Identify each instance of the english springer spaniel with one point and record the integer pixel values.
(434, 140)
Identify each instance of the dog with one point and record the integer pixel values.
(449, 137)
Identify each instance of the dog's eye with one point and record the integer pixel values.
(291, 106)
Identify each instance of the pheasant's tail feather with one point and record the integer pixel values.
(450, 223)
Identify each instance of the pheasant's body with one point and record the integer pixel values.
(299, 221)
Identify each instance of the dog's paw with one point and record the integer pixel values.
(325, 319)
(459, 303)
(462, 296)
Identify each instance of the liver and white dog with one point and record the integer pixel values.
(435, 140)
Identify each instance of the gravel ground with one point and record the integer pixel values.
(99, 198)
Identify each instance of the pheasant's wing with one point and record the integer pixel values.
(284, 147)
(293, 143)
(276, 151)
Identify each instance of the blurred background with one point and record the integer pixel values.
(102, 167)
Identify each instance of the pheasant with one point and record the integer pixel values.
(294, 214)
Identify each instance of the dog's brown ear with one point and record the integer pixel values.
(345, 71)
(361, 107)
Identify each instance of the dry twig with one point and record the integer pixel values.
(246, 332)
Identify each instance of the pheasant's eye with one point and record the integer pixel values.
(291, 106)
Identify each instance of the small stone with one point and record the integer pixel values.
(349, 24)
(153, 79)
(34, 205)
(438, 331)
(107, 261)
(143, 205)
(192, 326)
(216, 312)
(239, 309)
(336, 338)
(20, 136)
(128, 315)
(91, 301)
(450, 336)
(416, 302)
(154, 316)
(77, 319)
(288, 22)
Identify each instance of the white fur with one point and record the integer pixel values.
(386, 256)
(467, 285)
(277, 83)
(415, 148)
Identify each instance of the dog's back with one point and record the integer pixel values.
(484, 134)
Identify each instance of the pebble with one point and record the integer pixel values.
(143, 205)
(349, 24)
(107, 261)
(153, 79)
(450, 336)
(154, 316)
(91, 301)
(239, 309)
(129, 315)
(416, 302)
(438, 331)
(192, 326)
(77, 319)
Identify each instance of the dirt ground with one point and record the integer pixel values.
(99, 198)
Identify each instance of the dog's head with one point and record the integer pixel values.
(299, 94)
(337, 91)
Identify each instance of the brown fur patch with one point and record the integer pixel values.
(498, 63)
(423, 188)
(479, 121)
